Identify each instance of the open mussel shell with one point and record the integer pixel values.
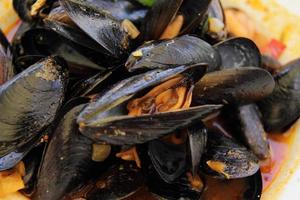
(67, 160)
(234, 86)
(252, 130)
(100, 26)
(282, 107)
(121, 130)
(30, 101)
(158, 18)
(226, 159)
(169, 160)
(105, 119)
(238, 52)
(119, 182)
(7, 70)
(125, 89)
(184, 50)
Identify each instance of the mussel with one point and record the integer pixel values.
(104, 120)
(129, 109)
(168, 159)
(226, 159)
(281, 108)
(184, 50)
(29, 103)
(238, 52)
(37, 43)
(99, 25)
(234, 86)
(158, 18)
(118, 182)
(253, 132)
(67, 161)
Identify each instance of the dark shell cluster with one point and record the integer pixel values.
(77, 72)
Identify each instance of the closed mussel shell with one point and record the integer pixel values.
(29, 102)
(67, 160)
(282, 107)
(184, 50)
(227, 159)
(234, 86)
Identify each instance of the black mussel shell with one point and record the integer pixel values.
(67, 160)
(121, 130)
(84, 87)
(7, 70)
(255, 188)
(106, 120)
(226, 159)
(169, 160)
(32, 163)
(158, 18)
(252, 131)
(59, 21)
(73, 34)
(119, 182)
(100, 26)
(197, 136)
(178, 190)
(282, 107)
(13, 158)
(184, 50)
(29, 103)
(193, 13)
(234, 86)
(99, 82)
(238, 52)
(38, 42)
(121, 10)
(123, 90)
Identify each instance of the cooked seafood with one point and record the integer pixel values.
(29, 103)
(117, 100)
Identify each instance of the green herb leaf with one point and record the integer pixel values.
(148, 3)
